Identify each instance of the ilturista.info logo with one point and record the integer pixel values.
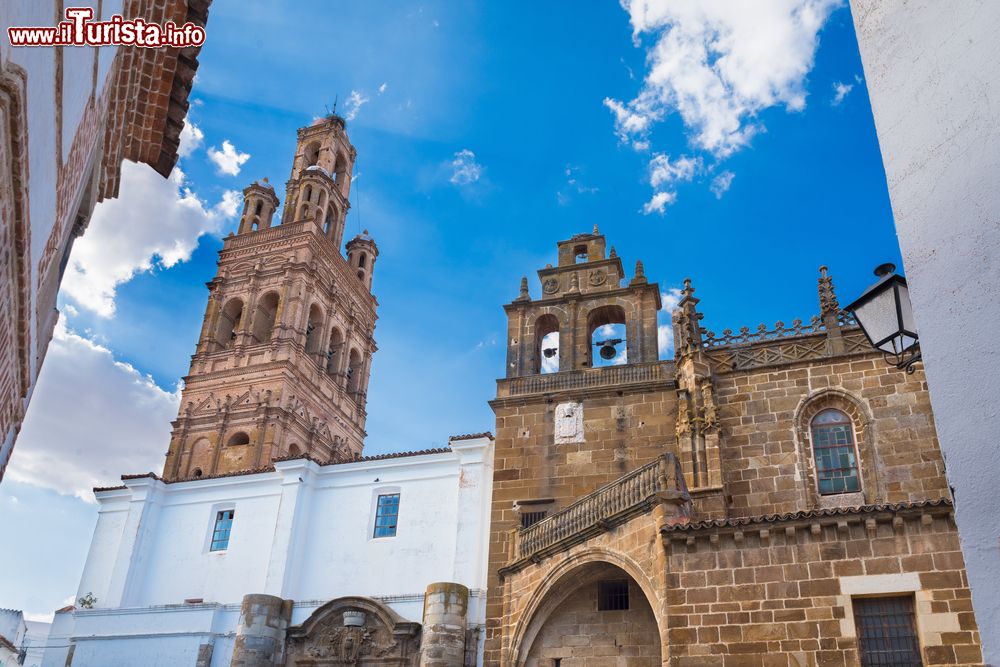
(79, 29)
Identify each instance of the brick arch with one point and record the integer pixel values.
(562, 581)
(864, 436)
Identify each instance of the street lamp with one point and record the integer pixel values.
(883, 312)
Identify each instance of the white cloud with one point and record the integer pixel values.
(465, 169)
(573, 185)
(662, 170)
(669, 301)
(191, 138)
(840, 91)
(354, 103)
(721, 183)
(718, 64)
(382, 88)
(659, 202)
(111, 420)
(155, 222)
(228, 160)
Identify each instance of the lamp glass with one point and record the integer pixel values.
(878, 317)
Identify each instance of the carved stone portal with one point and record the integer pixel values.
(353, 631)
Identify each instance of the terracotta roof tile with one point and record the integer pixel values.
(807, 514)
(472, 436)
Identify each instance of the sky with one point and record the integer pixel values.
(731, 143)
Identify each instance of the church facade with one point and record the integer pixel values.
(269, 539)
(769, 497)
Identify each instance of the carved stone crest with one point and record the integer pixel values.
(569, 423)
(598, 277)
(550, 286)
(352, 631)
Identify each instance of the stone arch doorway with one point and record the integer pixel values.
(595, 613)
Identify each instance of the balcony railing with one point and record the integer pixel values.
(660, 480)
(587, 378)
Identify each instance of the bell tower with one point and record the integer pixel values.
(283, 360)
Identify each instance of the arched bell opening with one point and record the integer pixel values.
(608, 337)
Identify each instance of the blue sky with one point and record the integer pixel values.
(489, 133)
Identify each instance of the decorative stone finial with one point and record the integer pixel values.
(524, 296)
(265, 179)
(595, 230)
(574, 283)
(640, 274)
(828, 304)
(614, 253)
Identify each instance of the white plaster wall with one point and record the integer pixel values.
(303, 532)
(933, 74)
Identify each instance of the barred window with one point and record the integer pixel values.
(223, 527)
(835, 454)
(887, 634)
(531, 518)
(612, 595)
(386, 515)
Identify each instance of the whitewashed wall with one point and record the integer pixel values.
(933, 73)
(303, 532)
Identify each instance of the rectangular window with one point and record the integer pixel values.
(836, 465)
(612, 595)
(887, 633)
(531, 518)
(220, 533)
(386, 515)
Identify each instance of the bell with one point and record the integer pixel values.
(549, 352)
(608, 352)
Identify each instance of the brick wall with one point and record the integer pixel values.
(780, 593)
(764, 422)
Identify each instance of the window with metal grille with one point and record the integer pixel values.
(836, 457)
(612, 595)
(223, 527)
(887, 633)
(531, 518)
(386, 515)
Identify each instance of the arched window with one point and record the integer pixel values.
(229, 322)
(263, 319)
(361, 276)
(313, 329)
(308, 193)
(294, 450)
(260, 205)
(580, 253)
(335, 352)
(835, 453)
(238, 438)
(362, 259)
(197, 472)
(354, 371)
(312, 154)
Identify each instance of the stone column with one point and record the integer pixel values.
(260, 632)
(442, 643)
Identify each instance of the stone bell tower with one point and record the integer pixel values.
(564, 424)
(283, 361)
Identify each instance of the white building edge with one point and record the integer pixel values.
(302, 533)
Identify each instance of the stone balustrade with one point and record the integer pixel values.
(588, 378)
(660, 480)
